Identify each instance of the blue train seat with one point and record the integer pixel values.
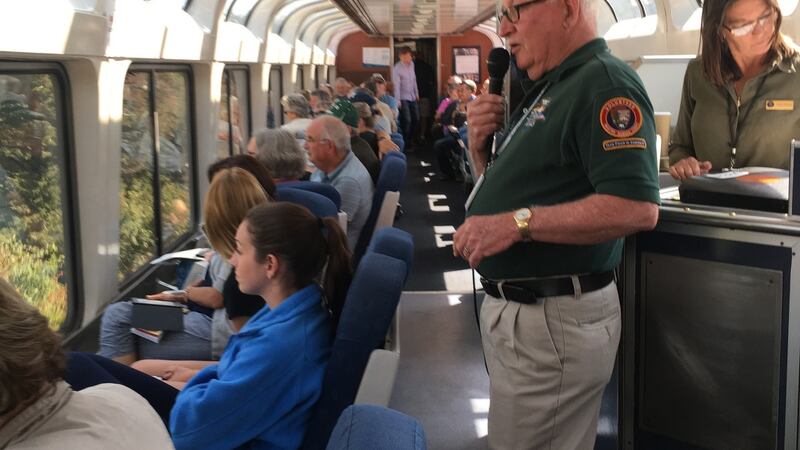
(375, 427)
(319, 205)
(384, 201)
(369, 308)
(323, 189)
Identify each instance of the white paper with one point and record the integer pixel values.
(375, 56)
(467, 64)
(727, 174)
(193, 253)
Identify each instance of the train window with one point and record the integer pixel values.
(626, 9)
(605, 18)
(227, 8)
(685, 14)
(274, 108)
(649, 7)
(240, 11)
(156, 166)
(234, 104)
(787, 6)
(35, 211)
(225, 132)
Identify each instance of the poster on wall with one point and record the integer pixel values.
(467, 63)
(375, 57)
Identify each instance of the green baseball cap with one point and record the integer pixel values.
(343, 110)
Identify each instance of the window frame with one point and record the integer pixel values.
(300, 73)
(180, 241)
(246, 70)
(279, 70)
(70, 207)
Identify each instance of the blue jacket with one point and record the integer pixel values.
(261, 393)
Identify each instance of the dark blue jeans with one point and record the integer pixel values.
(86, 370)
(409, 117)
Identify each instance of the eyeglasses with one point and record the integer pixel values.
(766, 20)
(512, 14)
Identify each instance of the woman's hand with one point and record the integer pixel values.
(178, 373)
(689, 167)
(168, 296)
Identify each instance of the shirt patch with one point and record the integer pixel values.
(619, 144)
(537, 112)
(780, 105)
(621, 117)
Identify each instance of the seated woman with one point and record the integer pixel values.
(38, 410)
(279, 152)
(738, 102)
(366, 125)
(232, 193)
(448, 151)
(261, 393)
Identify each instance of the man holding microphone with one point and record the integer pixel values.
(573, 176)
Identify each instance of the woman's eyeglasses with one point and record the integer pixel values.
(763, 22)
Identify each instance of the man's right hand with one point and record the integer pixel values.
(689, 167)
(485, 115)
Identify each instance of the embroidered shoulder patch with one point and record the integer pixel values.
(621, 117)
(623, 143)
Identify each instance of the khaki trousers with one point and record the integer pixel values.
(549, 363)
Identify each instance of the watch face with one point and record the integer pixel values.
(522, 214)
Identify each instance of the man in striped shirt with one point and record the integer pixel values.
(405, 83)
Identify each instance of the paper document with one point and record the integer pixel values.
(193, 253)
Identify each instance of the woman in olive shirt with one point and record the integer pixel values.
(737, 107)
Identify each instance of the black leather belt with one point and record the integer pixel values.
(530, 291)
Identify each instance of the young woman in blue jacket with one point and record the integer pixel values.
(270, 375)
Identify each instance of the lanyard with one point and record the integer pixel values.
(734, 122)
(527, 111)
(496, 151)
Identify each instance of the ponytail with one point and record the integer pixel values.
(338, 272)
(305, 244)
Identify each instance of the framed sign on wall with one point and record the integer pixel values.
(467, 63)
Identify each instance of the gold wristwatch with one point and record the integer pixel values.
(523, 216)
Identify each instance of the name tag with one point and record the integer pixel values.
(780, 105)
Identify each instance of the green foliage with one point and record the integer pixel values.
(35, 273)
(31, 222)
(137, 241)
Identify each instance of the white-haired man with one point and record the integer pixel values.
(328, 145)
(545, 225)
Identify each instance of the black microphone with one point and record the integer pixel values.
(498, 66)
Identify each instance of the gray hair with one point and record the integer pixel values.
(280, 152)
(324, 99)
(365, 114)
(335, 131)
(296, 103)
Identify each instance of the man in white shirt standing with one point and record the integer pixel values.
(405, 83)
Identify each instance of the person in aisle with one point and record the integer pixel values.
(574, 174)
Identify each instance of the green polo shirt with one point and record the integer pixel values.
(708, 112)
(591, 131)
